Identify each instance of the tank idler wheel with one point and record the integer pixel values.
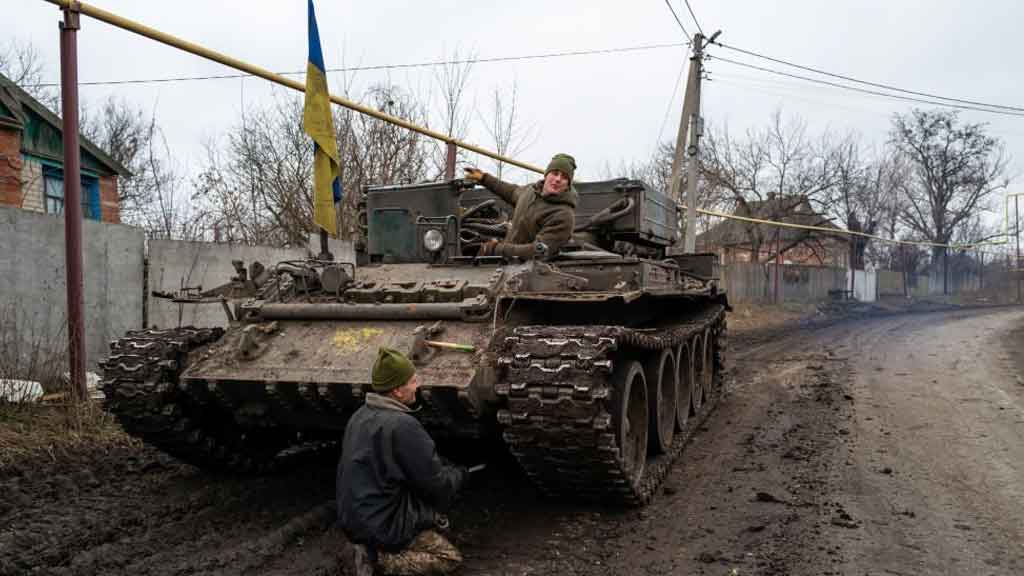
(629, 418)
(660, 373)
(697, 372)
(684, 384)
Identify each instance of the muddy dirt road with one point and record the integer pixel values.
(889, 445)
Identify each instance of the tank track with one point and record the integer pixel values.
(141, 385)
(557, 423)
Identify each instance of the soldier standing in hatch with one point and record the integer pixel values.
(392, 487)
(544, 212)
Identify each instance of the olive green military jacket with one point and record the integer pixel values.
(535, 218)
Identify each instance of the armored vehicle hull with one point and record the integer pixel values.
(594, 367)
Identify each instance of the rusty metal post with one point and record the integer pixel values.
(449, 161)
(72, 199)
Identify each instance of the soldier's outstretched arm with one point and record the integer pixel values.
(504, 190)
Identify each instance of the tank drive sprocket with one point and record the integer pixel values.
(142, 389)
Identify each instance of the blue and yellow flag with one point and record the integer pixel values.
(317, 122)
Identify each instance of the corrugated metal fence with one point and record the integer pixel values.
(748, 282)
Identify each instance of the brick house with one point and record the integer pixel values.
(739, 241)
(32, 161)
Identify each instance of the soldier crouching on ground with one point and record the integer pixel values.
(392, 487)
(544, 212)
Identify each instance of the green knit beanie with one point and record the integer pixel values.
(391, 370)
(563, 163)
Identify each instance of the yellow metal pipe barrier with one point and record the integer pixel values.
(192, 48)
(203, 52)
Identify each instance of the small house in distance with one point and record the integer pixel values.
(740, 241)
(32, 161)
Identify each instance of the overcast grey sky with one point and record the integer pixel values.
(604, 109)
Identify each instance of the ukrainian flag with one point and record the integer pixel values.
(317, 122)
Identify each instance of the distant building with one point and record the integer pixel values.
(32, 161)
(739, 241)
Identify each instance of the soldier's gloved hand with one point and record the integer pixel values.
(489, 248)
(474, 174)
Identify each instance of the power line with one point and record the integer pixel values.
(694, 16)
(671, 101)
(864, 90)
(678, 21)
(549, 55)
(866, 82)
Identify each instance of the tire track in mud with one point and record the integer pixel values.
(754, 491)
(99, 515)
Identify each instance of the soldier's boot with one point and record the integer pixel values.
(429, 554)
(357, 560)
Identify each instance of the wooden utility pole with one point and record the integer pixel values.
(688, 139)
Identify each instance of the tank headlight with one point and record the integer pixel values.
(433, 240)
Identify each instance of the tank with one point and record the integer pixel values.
(593, 367)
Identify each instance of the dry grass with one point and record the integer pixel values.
(29, 431)
(751, 315)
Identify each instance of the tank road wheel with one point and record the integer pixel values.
(629, 419)
(684, 384)
(660, 372)
(696, 373)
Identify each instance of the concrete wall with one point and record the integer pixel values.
(890, 283)
(746, 282)
(32, 279)
(173, 264)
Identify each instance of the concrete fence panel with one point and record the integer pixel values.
(750, 282)
(33, 293)
(174, 264)
(890, 283)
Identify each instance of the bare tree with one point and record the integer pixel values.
(449, 98)
(168, 212)
(22, 63)
(510, 137)
(771, 174)
(126, 133)
(376, 152)
(954, 168)
(865, 193)
(257, 180)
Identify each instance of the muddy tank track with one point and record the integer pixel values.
(558, 385)
(142, 389)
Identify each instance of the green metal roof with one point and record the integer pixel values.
(42, 131)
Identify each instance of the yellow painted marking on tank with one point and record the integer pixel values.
(355, 339)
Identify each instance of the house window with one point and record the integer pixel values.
(53, 188)
(53, 193)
